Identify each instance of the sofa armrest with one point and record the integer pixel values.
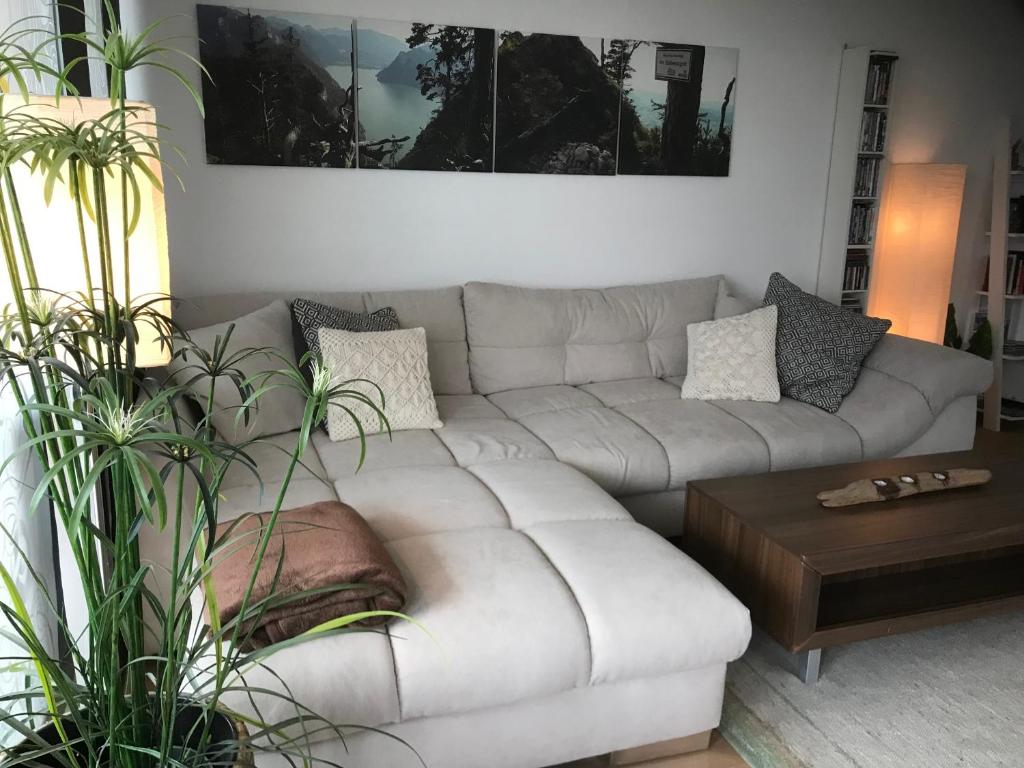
(941, 374)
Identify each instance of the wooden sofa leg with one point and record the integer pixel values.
(661, 750)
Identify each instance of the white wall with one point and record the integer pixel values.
(238, 228)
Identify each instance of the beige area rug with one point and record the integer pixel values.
(952, 696)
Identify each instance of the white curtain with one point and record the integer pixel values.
(21, 530)
(24, 539)
(40, 16)
(43, 18)
(97, 69)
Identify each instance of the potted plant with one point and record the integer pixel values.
(118, 448)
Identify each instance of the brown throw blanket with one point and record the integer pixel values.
(325, 544)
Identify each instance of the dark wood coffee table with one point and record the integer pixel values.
(815, 577)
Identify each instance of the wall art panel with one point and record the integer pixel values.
(557, 105)
(281, 88)
(678, 106)
(316, 90)
(426, 103)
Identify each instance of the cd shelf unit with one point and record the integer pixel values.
(1001, 298)
(859, 143)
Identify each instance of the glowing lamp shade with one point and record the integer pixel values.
(915, 247)
(56, 242)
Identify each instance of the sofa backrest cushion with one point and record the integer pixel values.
(438, 311)
(530, 337)
(280, 407)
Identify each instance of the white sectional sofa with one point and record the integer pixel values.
(530, 527)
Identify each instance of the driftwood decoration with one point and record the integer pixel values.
(887, 488)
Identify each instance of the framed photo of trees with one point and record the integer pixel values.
(558, 109)
(678, 107)
(319, 90)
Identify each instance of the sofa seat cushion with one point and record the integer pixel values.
(535, 492)
(466, 407)
(272, 455)
(619, 455)
(503, 624)
(629, 391)
(242, 492)
(478, 441)
(517, 403)
(648, 610)
(796, 434)
(413, 501)
(345, 678)
(413, 448)
(245, 499)
(699, 440)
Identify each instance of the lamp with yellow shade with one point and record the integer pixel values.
(66, 247)
(916, 246)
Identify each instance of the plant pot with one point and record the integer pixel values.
(228, 737)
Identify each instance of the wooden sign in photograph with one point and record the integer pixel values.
(672, 64)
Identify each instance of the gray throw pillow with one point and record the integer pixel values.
(820, 347)
(281, 407)
(310, 316)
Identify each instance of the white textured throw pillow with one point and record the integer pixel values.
(733, 358)
(396, 361)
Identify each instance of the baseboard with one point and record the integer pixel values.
(696, 742)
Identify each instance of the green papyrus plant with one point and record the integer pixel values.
(122, 449)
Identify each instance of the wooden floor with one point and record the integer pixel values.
(719, 755)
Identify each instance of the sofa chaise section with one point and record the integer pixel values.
(543, 599)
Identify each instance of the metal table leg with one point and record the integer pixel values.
(805, 664)
(808, 665)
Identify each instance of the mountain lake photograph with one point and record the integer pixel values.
(286, 89)
(280, 90)
(427, 104)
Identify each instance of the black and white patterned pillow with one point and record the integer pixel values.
(310, 316)
(820, 347)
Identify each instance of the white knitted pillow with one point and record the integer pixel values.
(396, 361)
(733, 358)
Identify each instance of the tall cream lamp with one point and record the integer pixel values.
(915, 247)
(56, 241)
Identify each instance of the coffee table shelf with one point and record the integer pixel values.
(901, 594)
(842, 634)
